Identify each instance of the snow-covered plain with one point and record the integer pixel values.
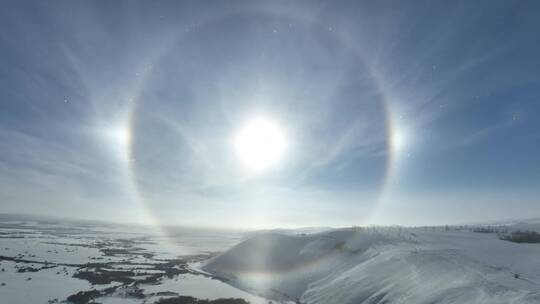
(384, 265)
(50, 261)
(68, 262)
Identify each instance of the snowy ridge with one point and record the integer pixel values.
(384, 265)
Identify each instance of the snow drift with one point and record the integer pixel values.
(383, 265)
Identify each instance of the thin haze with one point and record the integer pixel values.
(394, 112)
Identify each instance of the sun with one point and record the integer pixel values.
(260, 144)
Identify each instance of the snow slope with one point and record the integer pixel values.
(383, 265)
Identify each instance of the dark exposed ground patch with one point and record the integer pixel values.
(34, 269)
(101, 276)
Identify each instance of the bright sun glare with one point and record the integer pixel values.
(260, 144)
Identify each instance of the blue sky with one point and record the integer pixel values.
(393, 112)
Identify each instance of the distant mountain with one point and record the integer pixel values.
(514, 224)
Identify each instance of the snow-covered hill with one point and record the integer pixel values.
(384, 265)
